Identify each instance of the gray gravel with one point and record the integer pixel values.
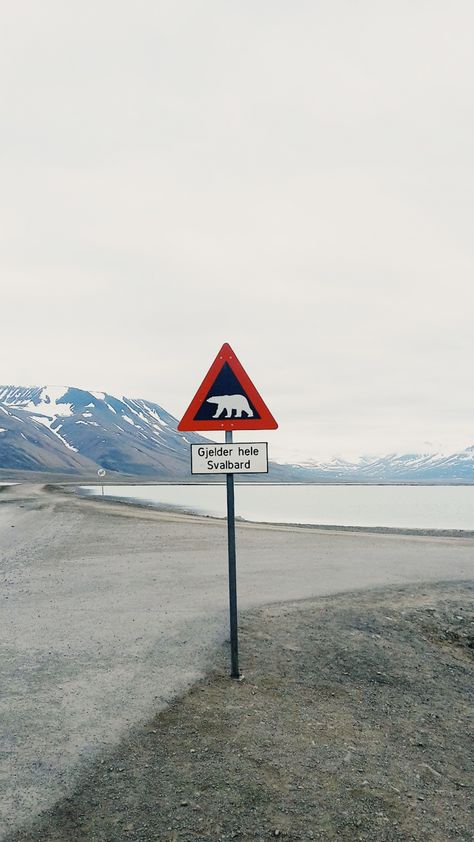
(109, 612)
(354, 722)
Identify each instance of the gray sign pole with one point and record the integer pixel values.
(234, 643)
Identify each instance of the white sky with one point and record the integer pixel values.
(293, 178)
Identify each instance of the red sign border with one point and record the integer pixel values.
(265, 422)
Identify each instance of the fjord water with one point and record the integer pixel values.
(411, 507)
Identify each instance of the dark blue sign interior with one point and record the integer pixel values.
(231, 399)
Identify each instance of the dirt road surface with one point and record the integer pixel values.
(109, 612)
(354, 723)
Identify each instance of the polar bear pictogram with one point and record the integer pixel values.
(230, 404)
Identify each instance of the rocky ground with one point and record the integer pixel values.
(353, 722)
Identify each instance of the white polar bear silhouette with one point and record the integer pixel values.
(229, 403)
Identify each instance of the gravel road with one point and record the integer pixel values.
(110, 611)
(354, 724)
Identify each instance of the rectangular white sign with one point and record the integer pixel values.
(236, 458)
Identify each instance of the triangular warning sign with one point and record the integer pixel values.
(227, 399)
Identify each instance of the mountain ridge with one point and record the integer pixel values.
(457, 467)
(75, 432)
(79, 431)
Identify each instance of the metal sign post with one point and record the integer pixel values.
(230, 458)
(228, 400)
(101, 473)
(234, 640)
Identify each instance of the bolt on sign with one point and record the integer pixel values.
(228, 400)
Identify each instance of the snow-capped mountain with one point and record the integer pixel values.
(72, 431)
(402, 467)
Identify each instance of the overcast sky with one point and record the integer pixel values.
(294, 178)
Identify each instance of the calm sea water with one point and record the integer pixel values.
(413, 507)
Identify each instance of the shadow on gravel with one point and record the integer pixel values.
(353, 723)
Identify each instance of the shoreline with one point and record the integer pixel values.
(16, 493)
(240, 521)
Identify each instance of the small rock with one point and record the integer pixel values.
(430, 769)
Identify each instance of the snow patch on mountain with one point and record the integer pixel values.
(45, 401)
(48, 422)
(123, 435)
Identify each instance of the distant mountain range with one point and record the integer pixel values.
(64, 431)
(74, 432)
(392, 468)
